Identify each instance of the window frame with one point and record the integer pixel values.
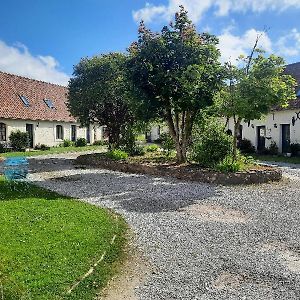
(3, 132)
(59, 132)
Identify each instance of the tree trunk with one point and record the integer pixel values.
(237, 123)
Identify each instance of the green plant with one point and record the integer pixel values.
(273, 148)
(138, 151)
(81, 142)
(167, 143)
(246, 147)
(67, 143)
(2, 148)
(100, 143)
(295, 148)
(117, 154)
(19, 140)
(211, 144)
(151, 148)
(230, 165)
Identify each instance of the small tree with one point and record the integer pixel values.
(174, 75)
(19, 140)
(98, 93)
(253, 88)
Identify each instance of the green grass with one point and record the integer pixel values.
(48, 241)
(290, 160)
(53, 150)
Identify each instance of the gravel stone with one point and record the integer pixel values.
(197, 257)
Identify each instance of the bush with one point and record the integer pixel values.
(67, 143)
(100, 143)
(2, 148)
(246, 147)
(19, 141)
(151, 148)
(117, 154)
(42, 147)
(138, 151)
(81, 142)
(211, 145)
(229, 165)
(167, 143)
(295, 148)
(273, 148)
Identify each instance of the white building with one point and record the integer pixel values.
(40, 109)
(281, 126)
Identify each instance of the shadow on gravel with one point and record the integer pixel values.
(37, 165)
(131, 192)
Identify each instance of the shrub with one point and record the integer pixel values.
(273, 148)
(2, 148)
(167, 143)
(295, 148)
(211, 145)
(42, 147)
(100, 143)
(151, 148)
(138, 151)
(67, 143)
(246, 147)
(117, 154)
(19, 140)
(229, 165)
(81, 142)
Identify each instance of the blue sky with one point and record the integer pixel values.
(43, 39)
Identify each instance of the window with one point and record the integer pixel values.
(59, 132)
(298, 93)
(49, 103)
(2, 132)
(25, 101)
(73, 133)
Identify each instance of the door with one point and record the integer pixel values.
(285, 138)
(29, 130)
(261, 138)
(73, 133)
(88, 134)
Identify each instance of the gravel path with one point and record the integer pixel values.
(204, 241)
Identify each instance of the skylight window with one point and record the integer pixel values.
(49, 103)
(25, 100)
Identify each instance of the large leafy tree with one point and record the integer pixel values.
(175, 74)
(253, 88)
(98, 93)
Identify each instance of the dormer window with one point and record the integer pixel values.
(49, 103)
(25, 100)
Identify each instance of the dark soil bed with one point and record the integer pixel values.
(255, 175)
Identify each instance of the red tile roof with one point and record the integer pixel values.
(12, 107)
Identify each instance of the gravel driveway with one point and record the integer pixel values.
(203, 241)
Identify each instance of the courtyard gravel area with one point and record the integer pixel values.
(203, 241)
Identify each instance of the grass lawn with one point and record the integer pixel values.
(52, 151)
(290, 160)
(47, 242)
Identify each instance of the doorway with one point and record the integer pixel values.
(261, 138)
(285, 138)
(29, 130)
(73, 133)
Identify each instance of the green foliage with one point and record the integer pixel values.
(211, 144)
(175, 74)
(81, 142)
(295, 148)
(42, 147)
(152, 148)
(100, 143)
(231, 165)
(273, 148)
(2, 148)
(246, 147)
(167, 143)
(19, 140)
(67, 143)
(117, 154)
(99, 93)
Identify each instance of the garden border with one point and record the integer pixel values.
(185, 172)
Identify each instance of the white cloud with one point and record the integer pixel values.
(232, 46)
(197, 8)
(289, 44)
(18, 60)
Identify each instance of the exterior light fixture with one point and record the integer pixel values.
(275, 125)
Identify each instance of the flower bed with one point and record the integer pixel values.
(259, 174)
